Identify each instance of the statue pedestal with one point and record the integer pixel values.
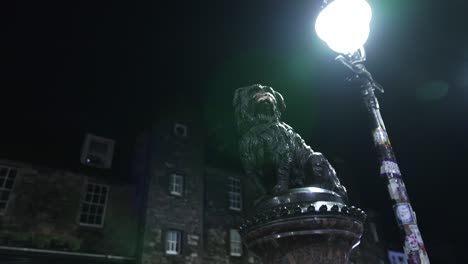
(304, 225)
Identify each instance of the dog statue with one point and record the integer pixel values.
(274, 157)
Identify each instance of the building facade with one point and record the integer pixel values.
(191, 212)
(51, 215)
(176, 209)
(172, 178)
(224, 207)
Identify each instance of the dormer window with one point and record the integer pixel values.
(97, 151)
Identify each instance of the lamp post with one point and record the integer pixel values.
(344, 25)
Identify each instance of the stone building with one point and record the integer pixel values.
(172, 179)
(57, 216)
(191, 212)
(176, 209)
(224, 207)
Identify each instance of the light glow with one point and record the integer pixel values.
(344, 25)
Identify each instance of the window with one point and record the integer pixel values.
(177, 184)
(93, 205)
(180, 130)
(97, 151)
(373, 230)
(235, 202)
(7, 180)
(236, 243)
(173, 242)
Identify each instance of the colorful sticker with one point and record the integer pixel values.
(413, 257)
(404, 213)
(390, 167)
(415, 230)
(411, 242)
(380, 136)
(393, 189)
(397, 190)
(402, 192)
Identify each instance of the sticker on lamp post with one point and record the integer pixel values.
(404, 213)
(381, 136)
(415, 230)
(393, 189)
(397, 190)
(411, 242)
(389, 167)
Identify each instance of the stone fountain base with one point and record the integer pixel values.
(303, 225)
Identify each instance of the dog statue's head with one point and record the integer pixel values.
(257, 104)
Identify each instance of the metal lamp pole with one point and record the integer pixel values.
(406, 218)
(345, 25)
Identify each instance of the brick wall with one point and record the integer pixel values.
(219, 219)
(183, 156)
(43, 213)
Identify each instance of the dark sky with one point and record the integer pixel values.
(111, 67)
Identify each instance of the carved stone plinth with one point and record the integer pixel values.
(304, 225)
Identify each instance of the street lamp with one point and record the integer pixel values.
(344, 25)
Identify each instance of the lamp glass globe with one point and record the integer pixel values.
(344, 25)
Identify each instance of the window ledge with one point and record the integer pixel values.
(91, 225)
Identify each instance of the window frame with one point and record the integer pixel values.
(173, 183)
(234, 196)
(235, 243)
(373, 231)
(107, 157)
(4, 188)
(177, 241)
(90, 203)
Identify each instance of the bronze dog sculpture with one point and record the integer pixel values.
(274, 157)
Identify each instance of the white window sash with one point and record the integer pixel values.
(235, 201)
(236, 243)
(177, 183)
(97, 204)
(173, 242)
(7, 189)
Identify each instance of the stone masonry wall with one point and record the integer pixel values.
(181, 155)
(219, 220)
(43, 213)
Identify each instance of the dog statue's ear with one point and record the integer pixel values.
(280, 101)
(237, 95)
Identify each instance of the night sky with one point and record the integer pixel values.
(113, 67)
